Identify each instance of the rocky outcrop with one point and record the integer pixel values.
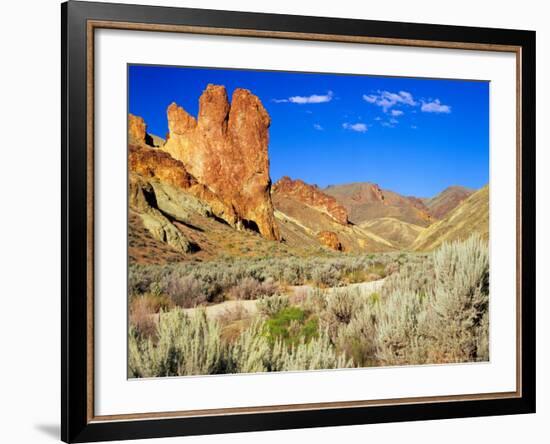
(312, 196)
(157, 164)
(225, 149)
(137, 129)
(330, 239)
(137, 132)
(143, 201)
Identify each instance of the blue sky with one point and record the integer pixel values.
(414, 136)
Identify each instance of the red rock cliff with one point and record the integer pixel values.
(225, 149)
(311, 196)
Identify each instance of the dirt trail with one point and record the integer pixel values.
(216, 310)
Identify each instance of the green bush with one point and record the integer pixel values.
(290, 325)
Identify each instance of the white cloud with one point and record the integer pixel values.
(371, 98)
(318, 127)
(314, 98)
(388, 99)
(301, 100)
(414, 126)
(357, 127)
(435, 106)
(396, 112)
(394, 121)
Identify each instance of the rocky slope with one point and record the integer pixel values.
(225, 148)
(365, 201)
(307, 216)
(470, 216)
(440, 205)
(311, 196)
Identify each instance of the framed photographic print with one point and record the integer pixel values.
(276, 221)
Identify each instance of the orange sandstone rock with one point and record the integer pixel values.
(225, 149)
(330, 240)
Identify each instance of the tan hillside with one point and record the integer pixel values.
(447, 200)
(366, 201)
(399, 233)
(470, 216)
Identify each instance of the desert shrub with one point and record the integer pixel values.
(482, 339)
(185, 292)
(318, 353)
(399, 325)
(141, 314)
(269, 306)
(217, 277)
(251, 353)
(340, 307)
(357, 339)
(250, 288)
(233, 313)
(291, 276)
(461, 298)
(186, 345)
(391, 268)
(328, 275)
(415, 277)
(437, 312)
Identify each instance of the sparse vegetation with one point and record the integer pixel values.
(431, 308)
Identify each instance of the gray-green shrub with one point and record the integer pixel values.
(185, 345)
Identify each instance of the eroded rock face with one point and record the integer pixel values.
(157, 164)
(143, 201)
(226, 150)
(311, 196)
(330, 239)
(138, 135)
(137, 129)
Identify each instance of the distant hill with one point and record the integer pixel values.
(446, 201)
(399, 233)
(308, 217)
(366, 201)
(470, 216)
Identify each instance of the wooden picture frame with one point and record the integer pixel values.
(79, 22)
